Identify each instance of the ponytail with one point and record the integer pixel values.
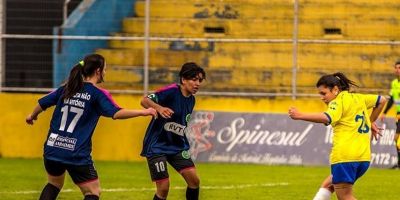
(85, 68)
(74, 83)
(337, 79)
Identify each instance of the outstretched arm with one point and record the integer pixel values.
(163, 111)
(127, 113)
(311, 117)
(374, 116)
(378, 109)
(33, 116)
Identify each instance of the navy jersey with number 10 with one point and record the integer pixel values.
(73, 122)
(167, 136)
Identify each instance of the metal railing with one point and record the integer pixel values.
(294, 93)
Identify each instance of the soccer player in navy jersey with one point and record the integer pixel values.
(165, 139)
(79, 105)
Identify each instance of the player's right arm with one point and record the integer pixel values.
(33, 116)
(43, 103)
(128, 113)
(148, 102)
(311, 117)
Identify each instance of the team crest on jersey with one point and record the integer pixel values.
(187, 118)
(153, 97)
(333, 106)
(185, 154)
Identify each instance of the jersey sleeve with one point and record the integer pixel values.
(163, 95)
(334, 111)
(371, 100)
(50, 99)
(106, 104)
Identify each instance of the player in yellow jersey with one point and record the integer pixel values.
(352, 125)
(395, 98)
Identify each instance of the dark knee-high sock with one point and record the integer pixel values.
(91, 197)
(192, 194)
(157, 198)
(398, 157)
(49, 192)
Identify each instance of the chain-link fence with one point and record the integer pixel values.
(248, 48)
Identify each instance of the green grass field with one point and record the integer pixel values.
(24, 179)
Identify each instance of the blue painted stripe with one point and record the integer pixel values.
(90, 18)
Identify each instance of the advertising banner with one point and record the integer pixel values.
(273, 139)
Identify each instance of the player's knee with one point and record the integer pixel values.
(163, 191)
(57, 184)
(195, 183)
(98, 192)
(162, 188)
(93, 190)
(57, 181)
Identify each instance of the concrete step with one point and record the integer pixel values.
(314, 9)
(260, 80)
(268, 56)
(267, 28)
(216, 9)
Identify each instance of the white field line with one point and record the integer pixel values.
(209, 187)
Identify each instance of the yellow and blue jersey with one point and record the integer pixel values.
(349, 117)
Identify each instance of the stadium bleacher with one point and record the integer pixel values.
(263, 67)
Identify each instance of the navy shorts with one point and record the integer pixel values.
(348, 172)
(80, 174)
(158, 164)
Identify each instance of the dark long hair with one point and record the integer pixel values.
(337, 79)
(87, 67)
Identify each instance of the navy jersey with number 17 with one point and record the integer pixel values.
(73, 122)
(167, 136)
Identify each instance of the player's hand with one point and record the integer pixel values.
(30, 119)
(294, 113)
(376, 131)
(151, 111)
(165, 112)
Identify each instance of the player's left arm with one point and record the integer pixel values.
(380, 104)
(377, 109)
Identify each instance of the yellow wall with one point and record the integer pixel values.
(115, 139)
